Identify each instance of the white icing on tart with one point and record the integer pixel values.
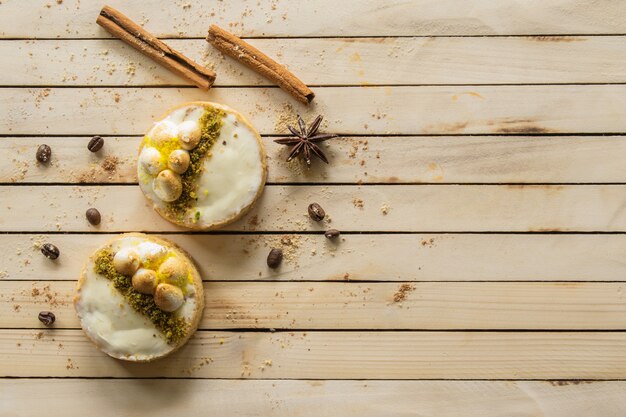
(232, 173)
(113, 324)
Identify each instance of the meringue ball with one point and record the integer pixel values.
(173, 271)
(163, 132)
(167, 185)
(168, 297)
(144, 281)
(126, 261)
(151, 253)
(189, 133)
(178, 161)
(151, 160)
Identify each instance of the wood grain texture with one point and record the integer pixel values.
(352, 61)
(331, 355)
(434, 257)
(349, 110)
(382, 208)
(463, 159)
(337, 305)
(159, 398)
(74, 18)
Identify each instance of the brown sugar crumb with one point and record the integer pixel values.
(203, 361)
(290, 245)
(428, 242)
(39, 335)
(40, 96)
(385, 208)
(131, 69)
(285, 117)
(70, 364)
(110, 163)
(17, 307)
(254, 221)
(402, 292)
(116, 97)
(48, 296)
(358, 203)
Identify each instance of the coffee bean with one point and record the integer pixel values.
(95, 144)
(275, 258)
(46, 317)
(50, 251)
(316, 212)
(332, 233)
(43, 153)
(93, 216)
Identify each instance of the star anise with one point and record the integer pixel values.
(305, 140)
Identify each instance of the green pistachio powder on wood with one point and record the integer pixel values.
(173, 328)
(211, 124)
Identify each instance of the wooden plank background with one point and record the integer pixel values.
(479, 185)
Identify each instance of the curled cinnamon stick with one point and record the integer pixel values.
(250, 56)
(130, 32)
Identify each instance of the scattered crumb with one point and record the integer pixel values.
(203, 361)
(286, 116)
(385, 208)
(428, 242)
(402, 292)
(70, 364)
(131, 68)
(357, 202)
(110, 163)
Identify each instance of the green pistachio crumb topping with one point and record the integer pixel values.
(211, 124)
(173, 328)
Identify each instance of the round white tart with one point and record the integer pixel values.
(202, 165)
(139, 297)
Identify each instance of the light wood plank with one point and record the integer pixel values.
(349, 110)
(489, 257)
(75, 18)
(354, 61)
(415, 306)
(135, 398)
(401, 208)
(466, 159)
(332, 355)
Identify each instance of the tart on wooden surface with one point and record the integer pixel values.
(139, 297)
(202, 165)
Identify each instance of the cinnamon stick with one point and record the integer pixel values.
(130, 32)
(250, 56)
